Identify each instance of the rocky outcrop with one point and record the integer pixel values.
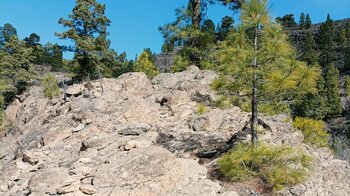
(137, 137)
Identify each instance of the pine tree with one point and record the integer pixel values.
(15, 67)
(208, 29)
(326, 42)
(347, 59)
(332, 88)
(313, 105)
(33, 42)
(309, 53)
(88, 29)
(144, 64)
(262, 64)
(342, 39)
(287, 21)
(225, 27)
(56, 61)
(302, 22)
(347, 85)
(6, 32)
(308, 21)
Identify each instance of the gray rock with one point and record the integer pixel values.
(80, 127)
(30, 157)
(87, 189)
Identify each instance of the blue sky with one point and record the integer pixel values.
(135, 23)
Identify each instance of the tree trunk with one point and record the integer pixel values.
(196, 13)
(196, 19)
(255, 102)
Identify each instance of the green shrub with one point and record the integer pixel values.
(219, 83)
(201, 109)
(180, 64)
(223, 102)
(145, 65)
(313, 130)
(276, 166)
(51, 88)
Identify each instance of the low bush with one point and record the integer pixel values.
(223, 102)
(313, 130)
(219, 83)
(201, 109)
(51, 88)
(341, 147)
(276, 166)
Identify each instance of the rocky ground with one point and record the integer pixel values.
(138, 137)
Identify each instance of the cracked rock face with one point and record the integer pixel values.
(137, 137)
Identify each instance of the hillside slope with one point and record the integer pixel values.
(138, 137)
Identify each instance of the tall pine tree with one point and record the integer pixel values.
(88, 29)
(326, 42)
(309, 54)
(302, 22)
(332, 88)
(15, 67)
(262, 64)
(308, 21)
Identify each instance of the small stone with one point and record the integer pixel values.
(87, 189)
(80, 127)
(30, 157)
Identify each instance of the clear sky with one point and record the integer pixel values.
(135, 22)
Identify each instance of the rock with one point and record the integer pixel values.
(30, 157)
(140, 138)
(11, 111)
(69, 188)
(75, 90)
(48, 181)
(210, 121)
(166, 80)
(80, 127)
(87, 189)
(134, 129)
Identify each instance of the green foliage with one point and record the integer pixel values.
(223, 102)
(144, 64)
(185, 33)
(309, 54)
(88, 29)
(276, 166)
(50, 84)
(6, 32)
(15, 68)
(308, 21)
(313, 105)
(180, 64)
(287, 20)
(347, 85)
(341, 146)
(302, 21)
(225, 27)
(219, 83)
(332, 90)
(326, 42)
(313, 130)
(342, 39)
(201, 109)
(347, 58)
(280, 79)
